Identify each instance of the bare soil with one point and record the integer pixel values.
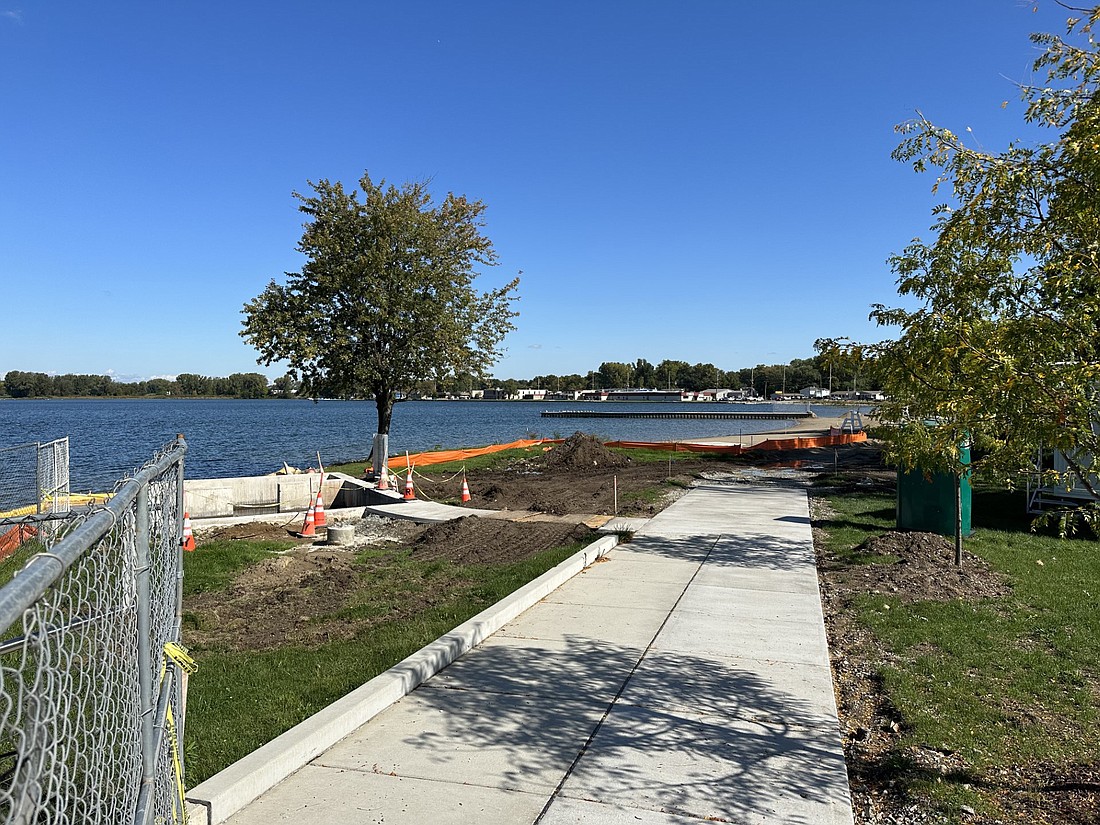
(309, 594)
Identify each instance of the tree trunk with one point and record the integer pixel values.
(383, 402)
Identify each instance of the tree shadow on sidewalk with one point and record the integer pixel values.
(704, 737)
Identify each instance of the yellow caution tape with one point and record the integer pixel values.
(179, 654)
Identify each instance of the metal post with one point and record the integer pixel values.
(380, 451)
(177, 630)
(145, 630)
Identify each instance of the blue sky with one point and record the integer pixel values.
(707, 180)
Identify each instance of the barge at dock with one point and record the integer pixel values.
(730, 415)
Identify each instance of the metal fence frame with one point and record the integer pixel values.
(49, 489)
(90, 682)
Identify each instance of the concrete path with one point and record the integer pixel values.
(682, 679)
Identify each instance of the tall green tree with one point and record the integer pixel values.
(615, 375)
(1005, 346)
(386, 296)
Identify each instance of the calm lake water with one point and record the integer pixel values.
(226, 438)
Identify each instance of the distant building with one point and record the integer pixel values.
(495, 394)
(814, 392)
(716, 394)
(643, 395)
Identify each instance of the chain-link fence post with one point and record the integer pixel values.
(145, 633)
(177, 631)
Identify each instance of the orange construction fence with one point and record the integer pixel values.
(13, 538)
(444, 456)
(801, 443)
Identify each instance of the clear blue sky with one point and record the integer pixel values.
(707, 180)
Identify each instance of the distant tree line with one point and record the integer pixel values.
(17, 384)
(833, 370)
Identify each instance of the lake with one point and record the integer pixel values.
(111, 437)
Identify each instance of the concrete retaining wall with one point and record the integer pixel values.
(256, 495)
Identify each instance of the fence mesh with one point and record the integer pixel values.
(83, 629)
(34, 479)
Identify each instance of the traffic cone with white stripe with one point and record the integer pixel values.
(319, 519)
(410, 494)
(188, 537)
(465, 490)
(384, 478)
(308, 528)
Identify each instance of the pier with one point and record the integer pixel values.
(692, 414)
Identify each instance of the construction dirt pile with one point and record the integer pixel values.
(583, 452)
(919, 567)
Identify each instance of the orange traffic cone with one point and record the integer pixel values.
(465, 490)
(384, 478)
(308, 530)
(410, 494)
(188, 537)
(319, 519)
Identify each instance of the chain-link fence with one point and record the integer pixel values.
(34, 479)
(91, 674)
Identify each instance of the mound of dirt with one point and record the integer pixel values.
(272, 604)
(583, 452)
(474, 540)
(925, 570)
(252, 531)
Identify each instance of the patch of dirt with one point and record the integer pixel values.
(272, 604)
(253, 531)
(918, 567)
(474, 540)
(569, 483)
(307, 595)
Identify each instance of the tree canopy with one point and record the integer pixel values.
(1005, 347)
(385, 297)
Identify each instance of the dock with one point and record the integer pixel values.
(728, 415)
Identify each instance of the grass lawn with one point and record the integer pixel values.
(489, 461)
(238, 700)
(1007, 687)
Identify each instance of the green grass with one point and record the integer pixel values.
(1006, 681)
(237, 701)
(489, 461)
(214, 566)
(505, 458)
(855, 517)
(643, 455)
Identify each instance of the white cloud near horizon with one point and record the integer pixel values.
(13, 14)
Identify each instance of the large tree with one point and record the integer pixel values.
(1005, 347)
(385, 297)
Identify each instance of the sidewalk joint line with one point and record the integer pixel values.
(584, 748)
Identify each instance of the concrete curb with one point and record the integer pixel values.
(227, 792)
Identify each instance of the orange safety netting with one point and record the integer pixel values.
(801, 443)
(444, 456)
(13, 538)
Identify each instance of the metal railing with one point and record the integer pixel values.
(88, 694)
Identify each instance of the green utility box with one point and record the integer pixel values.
(928, 503)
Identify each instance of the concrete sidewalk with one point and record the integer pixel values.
(683, 678)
